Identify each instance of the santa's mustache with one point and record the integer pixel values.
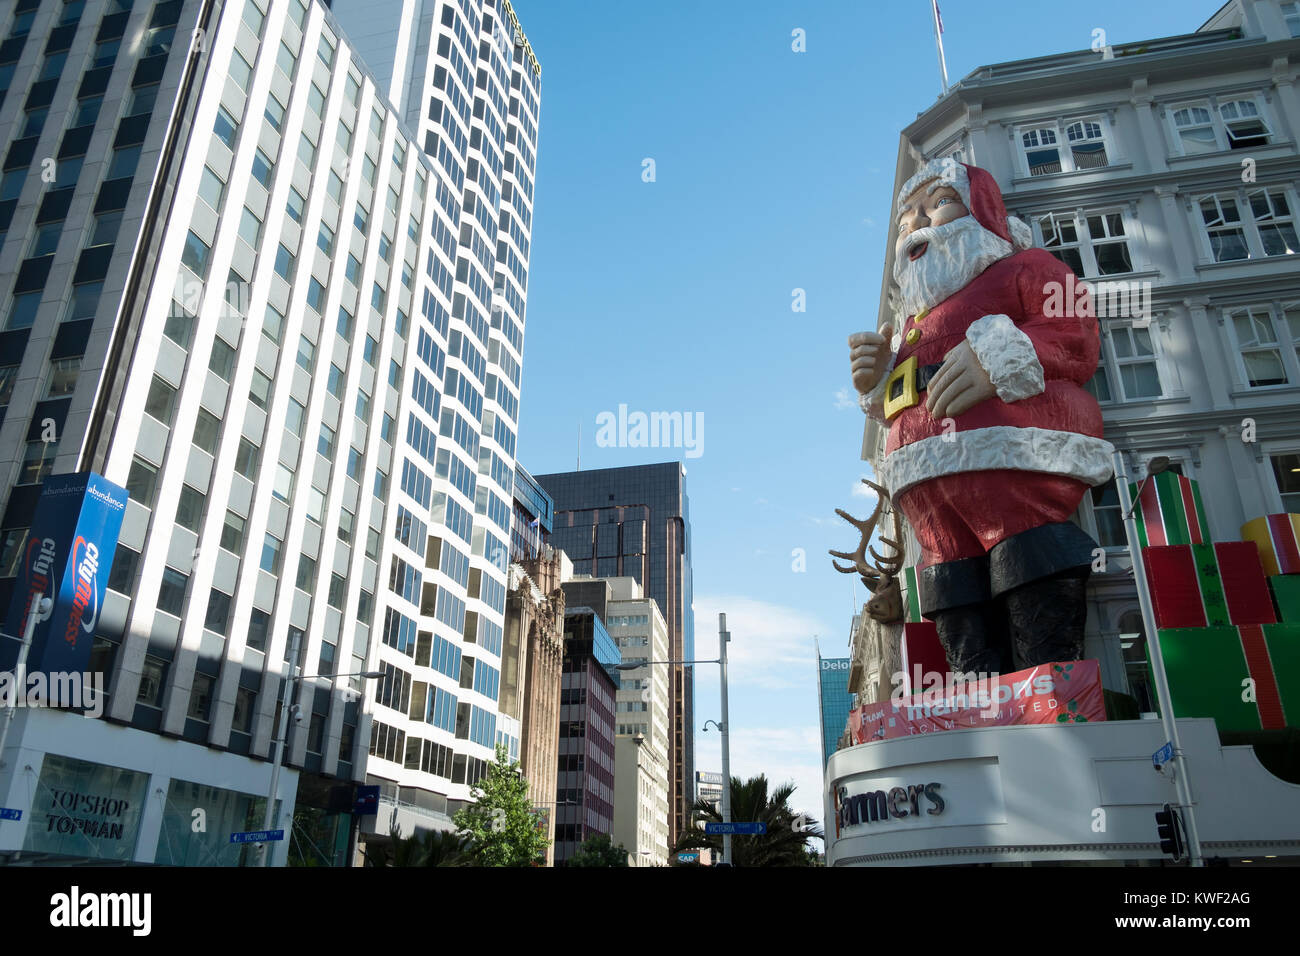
(926, 234)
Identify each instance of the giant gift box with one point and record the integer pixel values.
(1170, 511)
(1208, 585)
(1246, 678)
(1278, 540)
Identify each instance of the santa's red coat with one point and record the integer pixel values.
(1002, 467)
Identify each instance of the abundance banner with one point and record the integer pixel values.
(1060, 693)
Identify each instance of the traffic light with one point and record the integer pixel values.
(1167, 828)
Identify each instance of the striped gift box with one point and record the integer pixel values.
(1246, 678)
(1170, 511)
(1278, 540)
(1207, 585)
(911, 596)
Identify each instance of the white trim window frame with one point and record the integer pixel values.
(1065, 146)
(1132, 358)
(1242, 224)
(1291, 17)
(1094, 243)
(1281, 462)
(1264, 338)
(1218, 124)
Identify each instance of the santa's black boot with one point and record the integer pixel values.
(1046, 619)
(1040, 576)
(955, 595)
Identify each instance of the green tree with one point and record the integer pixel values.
(500, 823)
(786, 842)
(599, 850)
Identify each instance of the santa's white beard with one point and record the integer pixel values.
(958, 251)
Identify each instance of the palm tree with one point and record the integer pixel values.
(782, 845)
(445, 848)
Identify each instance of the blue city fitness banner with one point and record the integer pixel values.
(68, 555)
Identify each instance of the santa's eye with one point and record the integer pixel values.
(944, 200)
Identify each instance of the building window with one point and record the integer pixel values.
(306, 573)
(1223, 228)
(85, 300)
(152, 674)
(87, 111)
(1286, 469)
(283, 487)
(225, 127)
(142, 482)
(1084, 147)
(245, 704)
(195, 255)
(8, 376)
(1212, 125)
(125, 562)
(250, 227)
(1108, 515)
(271, 548)
(1291, 13)
(262, 166)
(246, 457)
(259, 626)
(211, 188)
(171, 594)
(325, 444)
(222, 360)
(189, 508)
(295, 205)
(45, 239)
(306, 354)
(335, 382)
(259, 392)
(284, 263)
(201, 697)
(294, 416)
(240, 71)
(232, 533)
(217, 619)
(22, 314)
(1134, 361)
(1259, 341)
(63, 378)
(123, 162)
(1091, 244)
(143, 100)
(1273, 218)
(160, 402)
(105, 228)
(38, 461)
(207, 431)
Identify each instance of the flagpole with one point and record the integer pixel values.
(938, 43)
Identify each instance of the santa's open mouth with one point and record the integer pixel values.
(917, 251)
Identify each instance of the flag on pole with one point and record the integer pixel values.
(938, 42)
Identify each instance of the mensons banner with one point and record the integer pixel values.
(1059, 693)
(68, 555)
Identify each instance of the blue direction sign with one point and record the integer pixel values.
(257, 836)
(735, 828)
(1163, 755)
(7, 814)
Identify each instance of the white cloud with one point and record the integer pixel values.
(864, 491)
(771, 645)
(845, 398)
(785, 754)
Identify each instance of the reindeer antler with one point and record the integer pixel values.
(885, 568)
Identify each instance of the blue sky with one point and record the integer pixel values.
(773, 171)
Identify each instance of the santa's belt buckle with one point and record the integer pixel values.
(900, 388)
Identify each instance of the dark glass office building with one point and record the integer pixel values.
(834, 701)
(584, 795)
(635, 522)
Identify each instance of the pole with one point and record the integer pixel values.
(40, 607)
(938, 43)
(267, 820)
(725, 731)
(1182, 779)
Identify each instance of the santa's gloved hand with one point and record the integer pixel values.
(960, 384)
(869, 354)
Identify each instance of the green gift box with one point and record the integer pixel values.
(1286, 595)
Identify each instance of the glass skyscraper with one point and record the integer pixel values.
(834, 701)
(635, 522)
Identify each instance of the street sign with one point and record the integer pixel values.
(687, 857)
(735, 828)
(7, 814)
(1163, 755)
(257, 836)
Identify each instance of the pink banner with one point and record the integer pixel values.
(1060, 693)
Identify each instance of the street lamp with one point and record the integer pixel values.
(41, 608)
(724, 637)
(1181, 777)
(267, 820)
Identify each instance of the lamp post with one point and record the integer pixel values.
(41, 608)
(270, 817)
(1181, 778)
(724, 636)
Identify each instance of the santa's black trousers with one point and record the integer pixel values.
(1036, 623)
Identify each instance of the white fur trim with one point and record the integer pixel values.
(999, 446)
(947, 172)
(1022, 237)
(1008, 355)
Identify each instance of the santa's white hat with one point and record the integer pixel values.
(979, 193)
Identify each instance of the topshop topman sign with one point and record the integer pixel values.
(68, 555)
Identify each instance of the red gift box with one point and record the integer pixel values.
(1202, 585)
(921, 649)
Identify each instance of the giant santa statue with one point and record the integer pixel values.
(993, 440)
